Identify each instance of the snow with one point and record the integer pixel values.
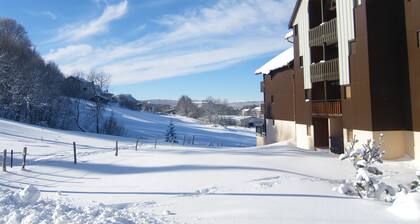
(181, 184)
(29, 194)
(148, 126)
(288, 35)
(56, 210)
(281, 60)
(406, 206)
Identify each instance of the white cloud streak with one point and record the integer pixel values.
(49, 14)
(93, 27)
(201, 40)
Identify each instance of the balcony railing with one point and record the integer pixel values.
(324, 71)
(324, 33)
(327, 108)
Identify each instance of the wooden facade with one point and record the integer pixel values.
(351, 72)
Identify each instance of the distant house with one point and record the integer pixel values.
(254, 112)
(251, 122)
(127, 101)
(78, 88)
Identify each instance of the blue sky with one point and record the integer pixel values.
(160, 48)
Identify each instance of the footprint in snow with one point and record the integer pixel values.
(167, 212)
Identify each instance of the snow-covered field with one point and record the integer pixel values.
(181, 184)
(149, 126)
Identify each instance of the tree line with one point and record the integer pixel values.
(37, 92)
(211, 110)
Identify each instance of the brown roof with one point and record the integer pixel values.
(295, 10)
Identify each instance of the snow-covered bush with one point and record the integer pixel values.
(170, 135)
(415, 184)
(367, 182)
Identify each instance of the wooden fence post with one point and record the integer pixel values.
(4, 159)
(155, 142)
(74, 153)
(25, 150)
(116, 148)
(137, 144)
(11, 158)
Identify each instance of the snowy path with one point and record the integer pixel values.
(275, 184)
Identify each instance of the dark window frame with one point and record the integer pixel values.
(308, 94)
(418, 38)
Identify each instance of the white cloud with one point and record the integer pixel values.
(201, 40)
(93, 27)
(49, 14)
(69, 53)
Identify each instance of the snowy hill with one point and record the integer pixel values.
(148, 126)
(181, 184)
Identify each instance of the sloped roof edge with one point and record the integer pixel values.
(295, 10)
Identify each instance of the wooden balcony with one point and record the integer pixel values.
(327, 108)
(324, 33)
(324, 71)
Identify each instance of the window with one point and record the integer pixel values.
(296, 30)
(418, 38)
(308, 130)
(349, 135)
(333, 4)
(347, 92)
(307, 95)
(301, 61)
(357, 2)
(272, 99)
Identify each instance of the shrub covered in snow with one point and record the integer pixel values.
(367, 182)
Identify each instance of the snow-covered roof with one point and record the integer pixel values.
(277, 62)
(288, 35)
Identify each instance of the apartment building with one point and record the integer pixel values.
(356, 73)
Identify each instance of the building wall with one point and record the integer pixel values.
(345, 33)
(279, 131)
(303, 109)
(396, 144)
(412, 19)
(302, 20)
(304, 139)
(357, 109)
(389, 80)
(280, 86)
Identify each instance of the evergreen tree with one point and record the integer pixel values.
(170, 133)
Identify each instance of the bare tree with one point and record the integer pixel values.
(100, 79)
(186, 107)
(78, 115)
